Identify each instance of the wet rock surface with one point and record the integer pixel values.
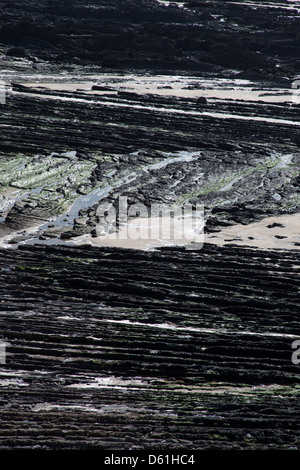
(124, 349)
(258, 39)
(102, 147)
(113, 348)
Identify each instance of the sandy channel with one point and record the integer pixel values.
(181, 87)
(282, 232)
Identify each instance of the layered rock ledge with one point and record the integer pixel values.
(123, 349)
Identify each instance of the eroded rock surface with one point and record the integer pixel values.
(122, 349)
(129, 349)
(149, 148)
(257, 39)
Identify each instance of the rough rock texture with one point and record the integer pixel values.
(240, 169)
(120, 349)
(167, 349)
(204, 36)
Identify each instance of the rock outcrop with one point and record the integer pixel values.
(123, 349)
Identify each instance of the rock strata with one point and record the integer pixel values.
(123, 349)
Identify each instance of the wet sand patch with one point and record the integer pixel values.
(282, 232)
